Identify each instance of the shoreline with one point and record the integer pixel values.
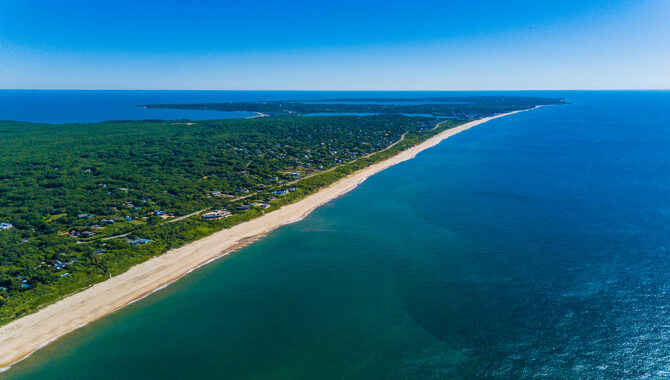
(20, 338)
(260, 114)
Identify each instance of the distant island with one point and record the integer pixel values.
(83, 203)
(462, 108)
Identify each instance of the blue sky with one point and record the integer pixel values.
(336, 45)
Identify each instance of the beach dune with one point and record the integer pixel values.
(22, 337)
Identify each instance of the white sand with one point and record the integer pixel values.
(20, 338)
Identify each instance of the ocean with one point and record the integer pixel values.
(73, 106)
(534, 245)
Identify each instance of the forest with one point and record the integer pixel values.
(82, 202)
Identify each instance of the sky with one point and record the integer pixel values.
(335, 45)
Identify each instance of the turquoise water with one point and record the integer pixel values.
(533, 245)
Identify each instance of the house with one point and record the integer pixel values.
(82, 216)
(74, 233)
(243, 207)
(100, 251)
(128, 204)
(64, 275)
(128, 218)
(217, 214)
(292, 188)
(108, 221)
(219, 194)
(242, 190)
(138, 241)
(263, 205)
(5, 226)
(161, 214)
(87, 234)
(279, 192)
(270, 199)
(59, 264)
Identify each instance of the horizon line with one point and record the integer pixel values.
(289, 90)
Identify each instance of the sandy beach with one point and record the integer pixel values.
(22, 337)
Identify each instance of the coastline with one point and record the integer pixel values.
(20, 338)
(260, 114)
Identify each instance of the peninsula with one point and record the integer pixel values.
(108, 224)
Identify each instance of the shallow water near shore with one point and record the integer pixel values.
(532, 245)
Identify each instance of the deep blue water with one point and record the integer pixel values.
(535, 245)
(73, 106)
(62, 106)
